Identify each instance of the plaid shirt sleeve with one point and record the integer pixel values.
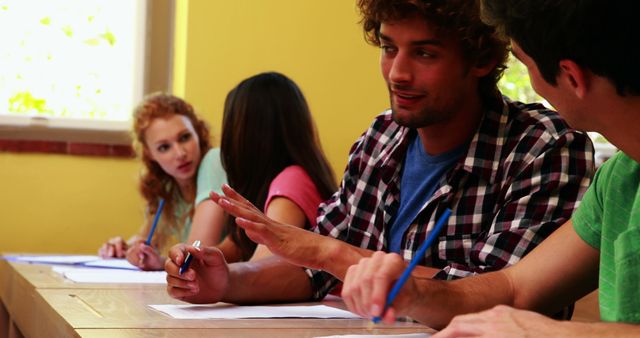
(348, 215)
(541, 183)
(334, 219)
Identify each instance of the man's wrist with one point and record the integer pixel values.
(339, 257)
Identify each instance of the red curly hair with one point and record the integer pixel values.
(154, 182)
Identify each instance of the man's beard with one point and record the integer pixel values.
(424, 118)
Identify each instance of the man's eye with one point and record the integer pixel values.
(424, 54)
(387, 49)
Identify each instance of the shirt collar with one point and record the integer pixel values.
(484, 155)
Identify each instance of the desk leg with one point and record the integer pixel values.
(5, 321)
(13, 331)
(8, 328)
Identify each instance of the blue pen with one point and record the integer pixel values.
(416, 259)
(187, 261)
(155, 221)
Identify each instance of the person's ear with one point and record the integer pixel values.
(574, 77)
(483, 67)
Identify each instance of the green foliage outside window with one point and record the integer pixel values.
(515, 83)
(67, 58)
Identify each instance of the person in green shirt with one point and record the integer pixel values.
(582, 57)
(180, 167)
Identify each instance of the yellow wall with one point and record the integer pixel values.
(56, 203)
(62, 203)
(319, 44)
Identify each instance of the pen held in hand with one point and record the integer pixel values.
(416, 259)
(187, 261)
(155, 221)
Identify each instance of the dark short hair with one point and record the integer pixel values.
(461, 18)
(598, 35)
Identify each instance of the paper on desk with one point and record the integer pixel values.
(112, 263)
(97, 275)
(58, 259)
(88, 261)
(237, 312)
(407, 335)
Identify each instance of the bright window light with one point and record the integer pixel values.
(75, 60)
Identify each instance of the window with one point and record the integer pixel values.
(515, 84)
(71, 69)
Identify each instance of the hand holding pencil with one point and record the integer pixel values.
(141, 253)
(382, 284)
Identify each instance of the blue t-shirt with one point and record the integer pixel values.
(421, 176)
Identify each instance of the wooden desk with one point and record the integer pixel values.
(40, 304)
(43, 277)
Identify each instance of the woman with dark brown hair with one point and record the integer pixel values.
(267, 120)
(180, 168)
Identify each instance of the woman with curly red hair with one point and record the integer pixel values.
(181, 168)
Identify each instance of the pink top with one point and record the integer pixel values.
(295, 184)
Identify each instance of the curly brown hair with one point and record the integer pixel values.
(461, 18)
(154, 182)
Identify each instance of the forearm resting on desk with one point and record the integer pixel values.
(268, 280)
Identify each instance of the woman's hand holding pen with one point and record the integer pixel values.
(205, 281)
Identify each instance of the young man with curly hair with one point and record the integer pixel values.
(581, 57)
(510, 172)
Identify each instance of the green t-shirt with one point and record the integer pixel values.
(608, 219)
(211, 177)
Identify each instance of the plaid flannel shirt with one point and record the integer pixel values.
(522, 177)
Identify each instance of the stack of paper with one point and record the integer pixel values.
(236, 312)
(93, 269)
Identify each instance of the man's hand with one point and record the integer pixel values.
(502, 321)
(295, 245)
(368, 283)
(206, 280)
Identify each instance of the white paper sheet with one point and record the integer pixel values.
(237, 312)
(406, 335)
(114, 263)
(77, 260)
(97, 275)
(58, 259)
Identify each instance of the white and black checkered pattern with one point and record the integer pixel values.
(522, 177)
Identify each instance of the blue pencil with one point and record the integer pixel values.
(416, 259)
(155, 221)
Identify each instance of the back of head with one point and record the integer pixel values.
(266, 127)
(461, 18)
(261, 113)
(598, 35)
